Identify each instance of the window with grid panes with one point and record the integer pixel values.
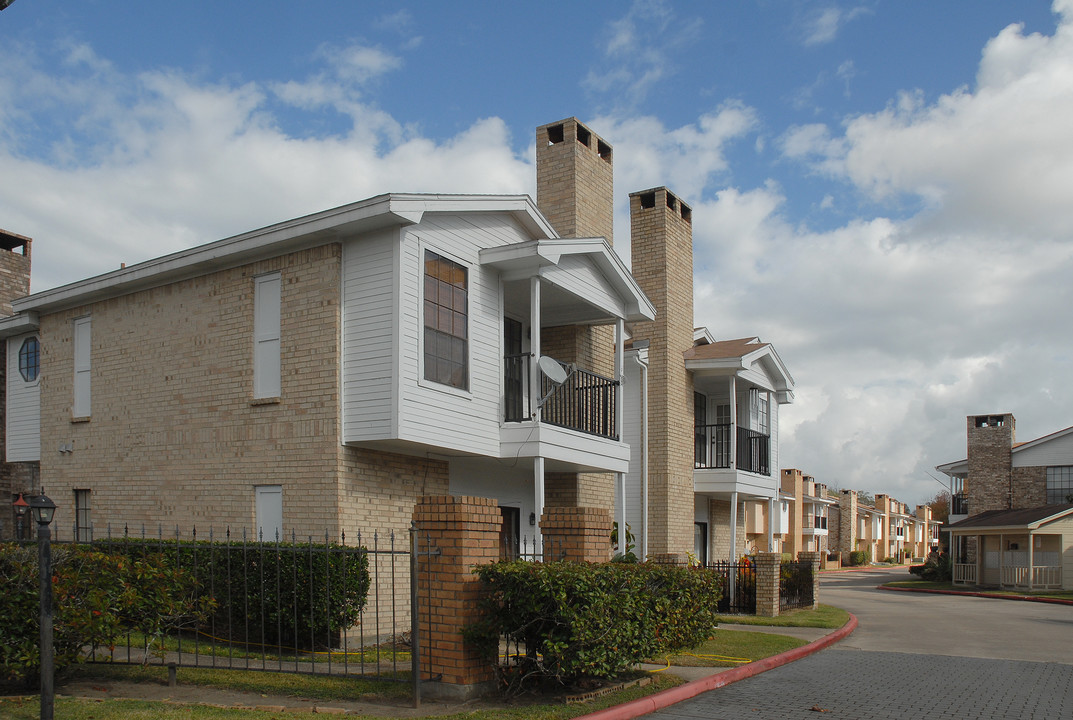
(446, 322)
(1059, 485)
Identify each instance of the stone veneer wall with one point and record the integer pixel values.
(1029, 486)
(987, 486)
(662, 252)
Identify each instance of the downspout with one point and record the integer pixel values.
(644, 458)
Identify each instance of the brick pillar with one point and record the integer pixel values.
(579, 534)
(768, 565)
(814, 558)
(465, 530)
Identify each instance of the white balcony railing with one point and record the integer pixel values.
(965, 573)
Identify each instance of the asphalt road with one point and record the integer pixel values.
(915, 656)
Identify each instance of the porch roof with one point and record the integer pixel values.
(1023, 520)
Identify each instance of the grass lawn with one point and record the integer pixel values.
(733, 648)
(931, 585)
(823, 616)
(71, 709)
(726, 649)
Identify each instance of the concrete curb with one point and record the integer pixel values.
(972, 593)
(658, 701)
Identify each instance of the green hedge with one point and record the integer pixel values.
(95, 597)
(293, 594)
(583, 620)
(860, 557)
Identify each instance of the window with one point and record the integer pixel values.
(266, 321)
(82, 405)
(268, 500)
(446, 322)
(1059, 485)
(759, 411)
(700, 542)
(83, 525)
(30, 359)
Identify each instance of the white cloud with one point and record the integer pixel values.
(822, 25)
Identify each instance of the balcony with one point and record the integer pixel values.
(815, 525)
(959, 505)
(712, 446)
(586, 402)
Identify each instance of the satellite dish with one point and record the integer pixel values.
(552, 369)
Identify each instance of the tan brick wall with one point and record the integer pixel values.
(847, 524)
(174, 437)
(575, 192)
(987, 486)
(581, 534)
(662, 252)
(719, 531)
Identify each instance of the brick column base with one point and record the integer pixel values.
(678, 559)
(577, 534)
(768, 565)
(465, 530)
(815, 558)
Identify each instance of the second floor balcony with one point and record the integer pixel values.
(585, 402)
(723, 446)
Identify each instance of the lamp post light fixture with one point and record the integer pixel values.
(21, 506)
(43, 510)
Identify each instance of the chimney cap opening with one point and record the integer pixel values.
(556, 134)
(648, 200)
(584, 136)
(603, 150)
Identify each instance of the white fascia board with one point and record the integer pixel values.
(701, 336)
(519, 260)
(308, 231)
(954, 469)
(773, 364)
(19, 324)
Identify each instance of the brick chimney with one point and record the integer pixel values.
(990, 441)
(661, 234)
(14, 269)
(575, 192)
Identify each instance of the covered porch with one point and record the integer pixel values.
(1026, 550)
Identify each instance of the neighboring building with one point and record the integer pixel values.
(1010, 523)
(323, 373)
(801, 517)
(712, 420)
(20, 372)
(884, 529)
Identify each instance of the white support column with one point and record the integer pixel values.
(1031, 561)
(534, 351)
(620, 510)
(538, 500)
(644, 461)
(733, 439)
(620, 332)
(771, 524)
(733, 527)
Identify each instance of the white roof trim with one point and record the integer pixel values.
(382, 211)
(530, 256)
(19, 324)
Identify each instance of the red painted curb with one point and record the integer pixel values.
(645, 705)
(971, 593)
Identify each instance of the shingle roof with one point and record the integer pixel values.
(1009, 518)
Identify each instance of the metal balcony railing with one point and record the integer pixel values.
(959, 505)
(585, 402)
(712, 445)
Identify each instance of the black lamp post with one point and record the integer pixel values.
(21, 506)
(43, 510)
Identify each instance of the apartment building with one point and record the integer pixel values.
(1012, 510)
(797, 521)
(323, 373)
(886, 528)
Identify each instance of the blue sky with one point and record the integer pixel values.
(880, 188)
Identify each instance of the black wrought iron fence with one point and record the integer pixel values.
(335, 606)
(795, 585)
(739, 587)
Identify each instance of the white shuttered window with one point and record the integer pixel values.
(82, 406)
(266, 320)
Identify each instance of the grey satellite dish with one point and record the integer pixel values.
(552, 369)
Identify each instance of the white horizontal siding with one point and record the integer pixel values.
(577, 275)
(369, 373)
(1056, 452)
(23, 409)
(429, 413)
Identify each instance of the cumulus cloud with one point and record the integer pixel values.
(822, 25)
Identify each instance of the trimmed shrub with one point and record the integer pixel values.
(296, 594)
(95, 597)
(859, 557)
(935, 569)
(578, 621)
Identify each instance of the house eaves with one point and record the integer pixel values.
(528, 258)
(739, 355)
(960, 468)
(382, 211)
